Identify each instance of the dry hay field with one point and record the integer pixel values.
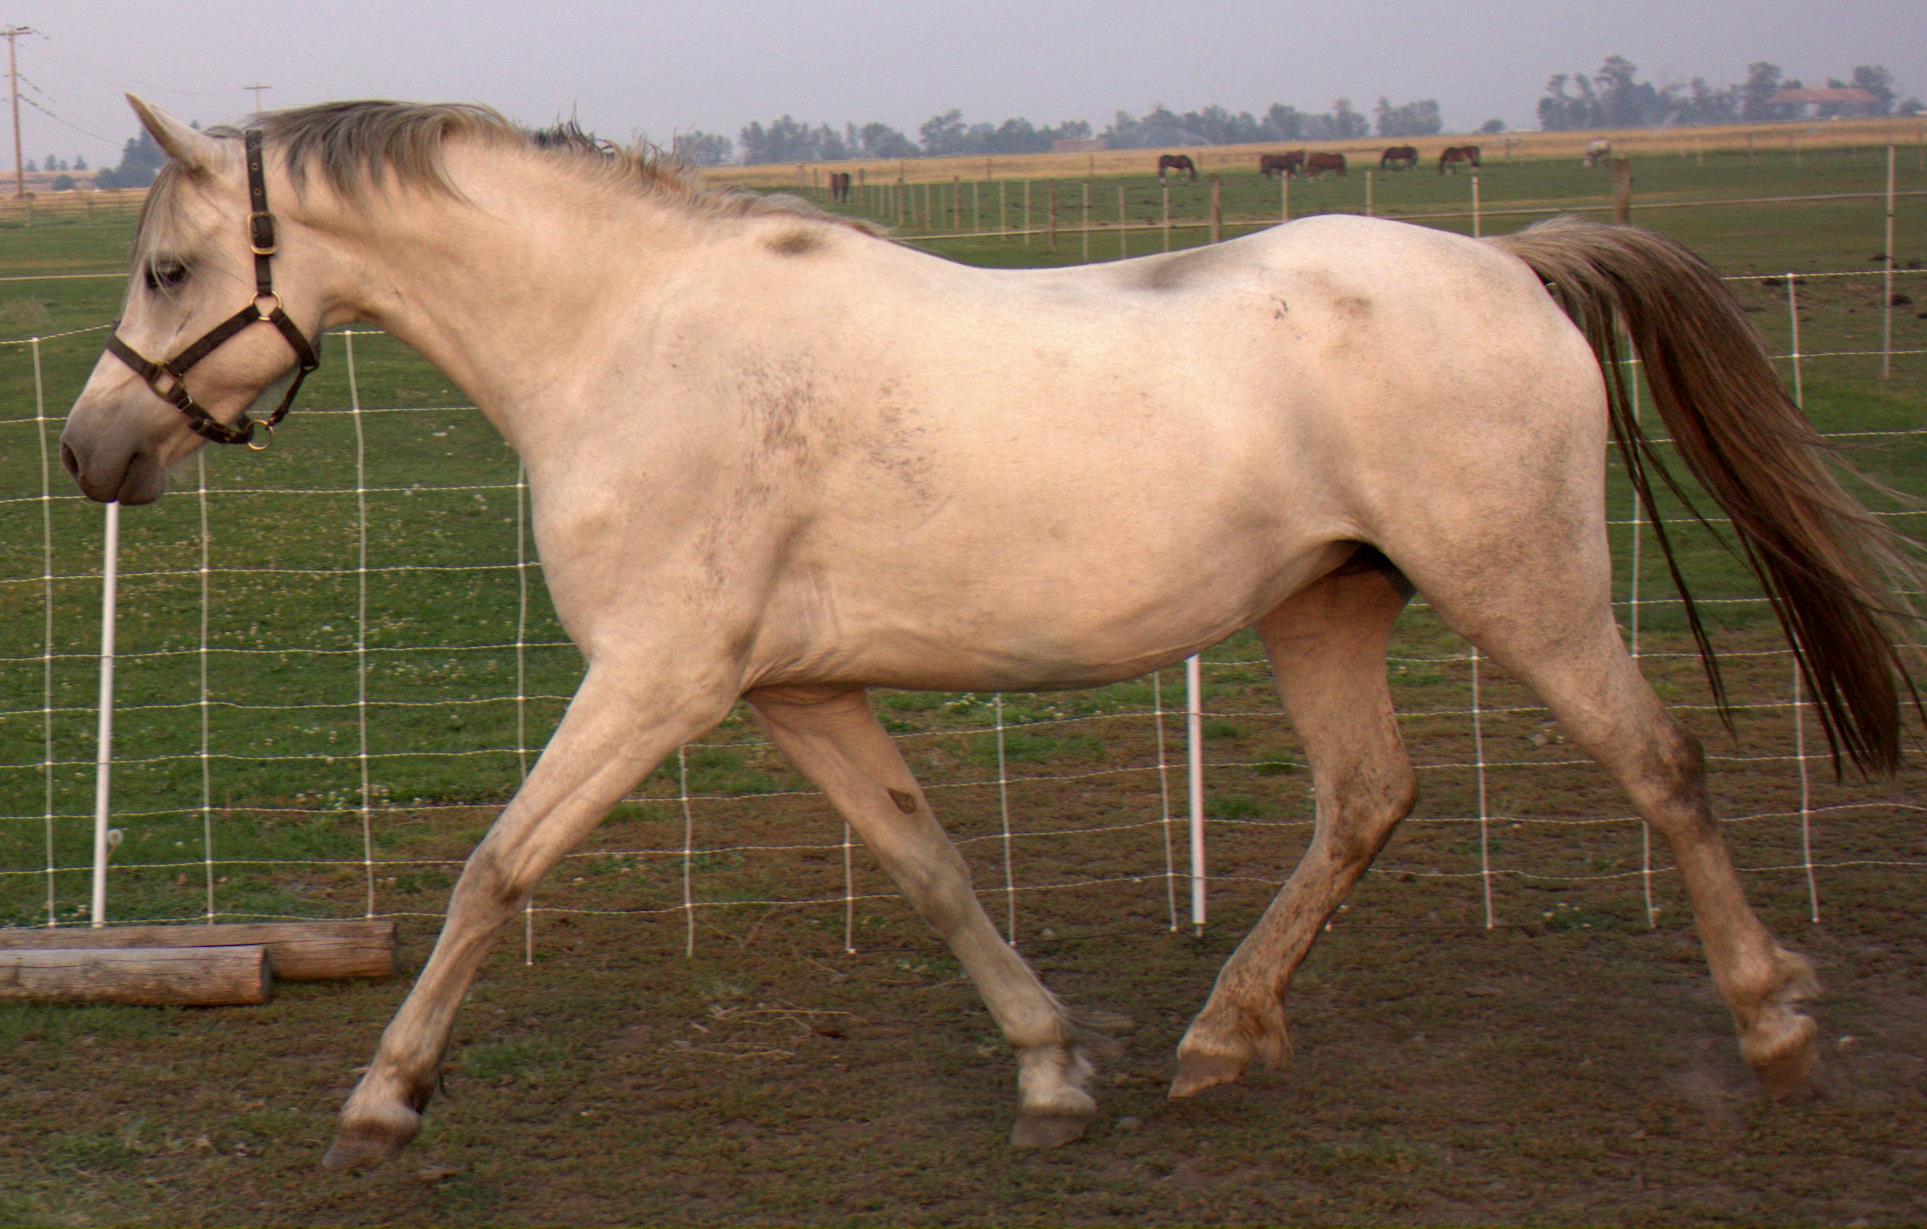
(1497, 148)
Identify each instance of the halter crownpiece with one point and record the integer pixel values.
(167, 378)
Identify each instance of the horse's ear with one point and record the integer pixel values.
(193, 150)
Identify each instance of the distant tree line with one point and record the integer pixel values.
(54, 162)
(1615, 97)
(787, 139)
(1612, 97)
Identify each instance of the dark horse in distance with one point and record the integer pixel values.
(1319, 163)
(1291, 163)
(1176, 162)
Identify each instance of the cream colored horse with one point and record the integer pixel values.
(775, 456)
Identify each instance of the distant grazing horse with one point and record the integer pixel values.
(1319, 163)
(839, 185)
(1455, 154)
(1176, 162)
(1398, 158)
(1597, 152)
(1281, 164)
(774, 456)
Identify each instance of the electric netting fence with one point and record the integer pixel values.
(335, 661)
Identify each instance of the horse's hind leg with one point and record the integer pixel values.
(1555, 632)
(1327, 648)
(835, 740)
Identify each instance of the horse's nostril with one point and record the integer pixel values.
(71, 461)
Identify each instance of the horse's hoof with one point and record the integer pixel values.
(1784, 1062)
(367, 1142)
(1039, 1130)
(1197, 1072)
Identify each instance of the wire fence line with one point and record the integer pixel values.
(695, 810)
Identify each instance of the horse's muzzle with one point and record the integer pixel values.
(107, 472)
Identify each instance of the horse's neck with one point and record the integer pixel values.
(507, 289)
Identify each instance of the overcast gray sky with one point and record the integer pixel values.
(645, 69)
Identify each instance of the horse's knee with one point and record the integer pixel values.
(494, 881)
(939, 887)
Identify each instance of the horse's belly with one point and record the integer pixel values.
(1037, 620)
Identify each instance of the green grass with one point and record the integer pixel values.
(444, 539)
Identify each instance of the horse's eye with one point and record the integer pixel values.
(165, 274)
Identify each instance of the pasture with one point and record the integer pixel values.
(338, 660)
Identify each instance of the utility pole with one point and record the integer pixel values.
(257, 95)
(13, 80)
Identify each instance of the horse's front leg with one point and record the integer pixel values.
(835, 740)
(624, 719)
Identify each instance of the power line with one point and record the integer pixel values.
(59, 119)
(117, 78)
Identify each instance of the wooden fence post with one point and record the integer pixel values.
(1123, 227)
(1217, 209)
(1051, 205)
(1087, 219)
(1887, 297)
(1622, 190)
(1026, 213)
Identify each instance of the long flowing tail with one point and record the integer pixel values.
(1836, 575)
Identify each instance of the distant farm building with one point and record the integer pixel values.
(1841, 101)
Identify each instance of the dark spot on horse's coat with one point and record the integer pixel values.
(780, 395)
(1278, 313)
(906, 802)
(796, 241)
(1355, 306)
(1178, 270)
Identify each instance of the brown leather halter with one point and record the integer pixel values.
(167, 378)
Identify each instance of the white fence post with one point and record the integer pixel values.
(1194, 725)
(104, 748)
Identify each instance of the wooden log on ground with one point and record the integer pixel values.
(147, 976)
(299, 951)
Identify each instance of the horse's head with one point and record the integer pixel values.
(207, 244)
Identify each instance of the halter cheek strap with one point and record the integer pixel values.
(167, 378)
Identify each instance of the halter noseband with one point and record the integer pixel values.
(265, 308)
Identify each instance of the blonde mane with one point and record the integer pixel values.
(356, 146)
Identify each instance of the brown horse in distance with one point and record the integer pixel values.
(839, 185)
(1176, 162)
(1398, 158)
(1281, 164)
(1319, 163)
(1455, 154)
